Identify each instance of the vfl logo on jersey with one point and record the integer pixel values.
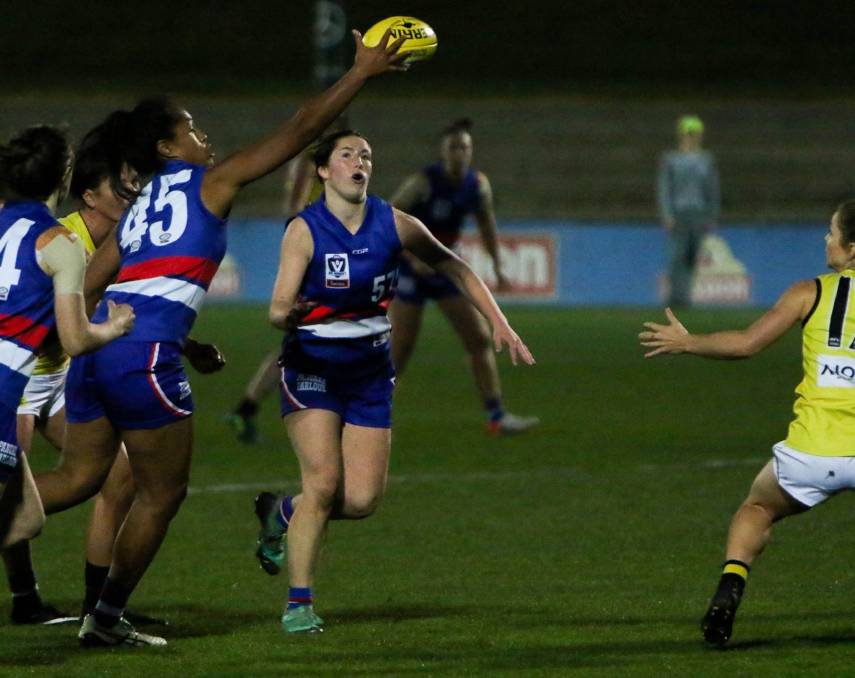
(338, 270)
(835, 372)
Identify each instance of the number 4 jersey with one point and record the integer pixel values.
(26, 296)
(351, 278)
(825, 398)
(171, 247)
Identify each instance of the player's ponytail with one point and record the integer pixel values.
(34, 163)
(136, 133)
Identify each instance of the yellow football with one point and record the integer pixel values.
(420, 40)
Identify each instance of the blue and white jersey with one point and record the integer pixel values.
(448, 204)
(26, 295)
(171, 247)
(351, 278)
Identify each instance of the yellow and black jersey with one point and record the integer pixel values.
(825, 398)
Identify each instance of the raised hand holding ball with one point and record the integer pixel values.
(419, 38)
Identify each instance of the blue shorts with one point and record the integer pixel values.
(9, 450)
(417, 289)
(363, 401)
(135, 384)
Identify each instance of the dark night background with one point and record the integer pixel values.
(578, 44)
(573, 101)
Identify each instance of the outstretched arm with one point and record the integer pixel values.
(673, 339)
(222, 183)
(416, 238)
(486, 219)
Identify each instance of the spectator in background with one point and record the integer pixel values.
(687, 192)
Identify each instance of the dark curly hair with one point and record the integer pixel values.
(34, 163)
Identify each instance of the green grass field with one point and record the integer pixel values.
(589, 547)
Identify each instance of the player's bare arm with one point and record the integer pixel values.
(222, 182)
(295, 253)
(61, 255)
(416, 238)
(299, 178)
(673, 339)
(485, 217)
(414, 190)
(101, 270)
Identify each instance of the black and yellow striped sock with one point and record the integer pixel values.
(732, 583)
(738, 568)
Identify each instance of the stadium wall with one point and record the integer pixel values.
(569, 263)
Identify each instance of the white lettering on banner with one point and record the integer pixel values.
(835, 372)
(528, 261)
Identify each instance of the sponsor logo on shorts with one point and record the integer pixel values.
(309, 382)
(8, 455)
(338, 270)
(183, 389)
(835, 372)
(4, 293)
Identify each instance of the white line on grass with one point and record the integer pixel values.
(480, 476)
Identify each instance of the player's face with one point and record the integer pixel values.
(838, 255)
(190, 143)
(456, 153)
(103, 198)
(349, 169)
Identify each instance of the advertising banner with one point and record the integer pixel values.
(582, 264)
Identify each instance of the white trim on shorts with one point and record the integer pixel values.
(810, 479)
(44, 395)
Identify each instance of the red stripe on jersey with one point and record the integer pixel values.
(318, 313)
(198, 269)
(22, 330)
(326, 312)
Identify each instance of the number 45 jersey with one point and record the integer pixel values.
(171, 247)
(351, 278)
